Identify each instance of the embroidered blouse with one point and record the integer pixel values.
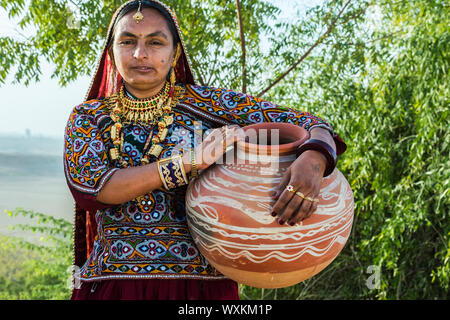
(148, 237)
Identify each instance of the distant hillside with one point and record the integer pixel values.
(30, 156)
(32, 177)
(16, 144)
(30, 165)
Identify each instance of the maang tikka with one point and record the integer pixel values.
(138, 16)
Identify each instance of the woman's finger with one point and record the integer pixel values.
(290, 209)
(302, 212)
(307, 209)
(282, 185)
(215, 145)
(311, 210)
(313, 205)
(281, 202)
(233, 134)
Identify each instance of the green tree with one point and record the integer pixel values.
(384, 84)
(377, 70)
(36, 269)
(70, 35)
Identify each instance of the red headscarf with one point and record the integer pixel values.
(107, 80)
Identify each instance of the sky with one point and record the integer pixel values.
(43, 108)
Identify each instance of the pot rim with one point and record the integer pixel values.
(294, 131)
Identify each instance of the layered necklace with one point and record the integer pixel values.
(151, 111)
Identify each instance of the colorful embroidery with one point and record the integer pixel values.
(85, 159)
(148, 236)
(244, 110)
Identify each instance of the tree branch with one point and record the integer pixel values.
(368, 42)
(195, 65)
(363, 10)
(216, 53)
(243, 58)
(329, 13)
(321, 38)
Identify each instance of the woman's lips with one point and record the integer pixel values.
(143, 69)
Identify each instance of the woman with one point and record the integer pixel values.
(127, 163)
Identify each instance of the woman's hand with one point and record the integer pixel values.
(214, 146)
(305, 176)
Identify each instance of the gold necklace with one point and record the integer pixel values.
(145, 111)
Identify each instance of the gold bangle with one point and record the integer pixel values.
(164, 174)
(172, 173)
(180, 164)
(194, 171)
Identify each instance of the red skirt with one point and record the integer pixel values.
(157, 289)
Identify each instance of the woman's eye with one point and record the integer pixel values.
(126, 42)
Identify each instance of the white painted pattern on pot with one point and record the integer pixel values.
(204, 221)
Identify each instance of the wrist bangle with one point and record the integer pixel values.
(172, 173)
(325, 149)
(194, 171)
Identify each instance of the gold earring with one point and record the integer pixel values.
(174, 64)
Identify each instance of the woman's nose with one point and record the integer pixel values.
(140, 52)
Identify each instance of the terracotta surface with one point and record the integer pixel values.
(229, 214)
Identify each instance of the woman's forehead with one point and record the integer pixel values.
(153, 22)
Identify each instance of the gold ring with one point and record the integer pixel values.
(301, 195)
(312, 200)
(306, 198)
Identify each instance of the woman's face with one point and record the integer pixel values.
(143, 52)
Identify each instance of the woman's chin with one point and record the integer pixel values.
(144, 83)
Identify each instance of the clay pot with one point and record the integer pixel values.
(229, 205)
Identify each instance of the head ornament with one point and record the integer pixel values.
(138, 16)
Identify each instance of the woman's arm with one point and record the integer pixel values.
(305, 173)
(324, 135)
(127, 184)
(245, 110)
